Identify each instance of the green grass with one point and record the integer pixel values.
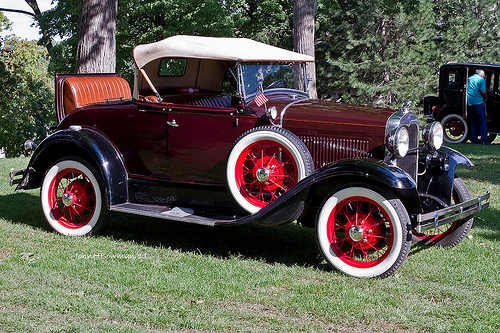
(145, 275)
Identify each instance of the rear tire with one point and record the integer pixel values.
(73, 198)
(455, 128)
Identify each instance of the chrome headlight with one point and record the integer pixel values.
(398, 141)
(29, 146)
(433, 136)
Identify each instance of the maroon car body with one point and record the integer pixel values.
(221, 131)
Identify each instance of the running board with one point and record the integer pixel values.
(180, 214)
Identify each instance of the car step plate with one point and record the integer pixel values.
(167, 213)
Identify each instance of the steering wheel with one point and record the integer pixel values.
(283, 83)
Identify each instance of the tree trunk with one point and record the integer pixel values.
(96, 48)
(303, 36)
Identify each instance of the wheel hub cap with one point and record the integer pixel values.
(269, 173)
(262, 175)
(67, 199)
(356, 233)
(364, 231)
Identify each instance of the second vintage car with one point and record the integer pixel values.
(449, 107)
(221, 131)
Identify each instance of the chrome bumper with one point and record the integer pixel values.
(451, 214)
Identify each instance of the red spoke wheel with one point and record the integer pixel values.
(362, 232)
(448, 234)
(455, 128)
(265, 163)
(264, 171)
(72, 198)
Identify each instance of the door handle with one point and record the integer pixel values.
(173, 123)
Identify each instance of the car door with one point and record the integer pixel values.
(453, 85)
(140, 134)
(199, 139)
(493, 101)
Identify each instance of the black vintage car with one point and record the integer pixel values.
(449, 106)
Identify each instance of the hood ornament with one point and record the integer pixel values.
(405, 108)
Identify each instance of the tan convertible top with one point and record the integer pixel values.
(215, 48)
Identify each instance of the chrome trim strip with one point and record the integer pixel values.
(282, 114)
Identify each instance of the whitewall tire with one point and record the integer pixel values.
(362, 232)
(264, 163)
(73, 198)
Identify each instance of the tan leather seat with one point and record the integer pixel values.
(83, 90)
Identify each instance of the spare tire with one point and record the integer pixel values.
(263, 164)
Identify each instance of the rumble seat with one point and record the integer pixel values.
(79, 91)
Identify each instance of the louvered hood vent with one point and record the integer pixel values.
(326, 150)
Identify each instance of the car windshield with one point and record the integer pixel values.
(272, 76)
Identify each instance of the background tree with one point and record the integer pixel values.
(470, 29)
(26, 94)
(303, 36)
(5, 24)
(96, 48)
(45, 40)
(386, 51)
(378, 52)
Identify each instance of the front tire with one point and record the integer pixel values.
(73, 198)
(448, 234)
(363, 232)
(264, 163)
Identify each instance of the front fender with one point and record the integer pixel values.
(437, 180)
(86, 143)
(366, 170)
(312, 190)
(456, 157)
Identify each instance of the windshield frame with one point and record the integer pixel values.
(243, 93)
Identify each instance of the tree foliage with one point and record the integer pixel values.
(26, 94)
(387, 51)
(374, 52)
(380, 52)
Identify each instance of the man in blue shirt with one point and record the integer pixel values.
(476, 96)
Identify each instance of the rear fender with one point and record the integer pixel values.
(86, 143)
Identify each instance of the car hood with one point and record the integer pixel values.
(334, 112)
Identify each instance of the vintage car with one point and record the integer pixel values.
(449, 106)
(221, 132)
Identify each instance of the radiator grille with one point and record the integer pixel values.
(326, 150)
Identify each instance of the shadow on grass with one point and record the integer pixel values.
(485, 159)
(289, 245)
(22, 208)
